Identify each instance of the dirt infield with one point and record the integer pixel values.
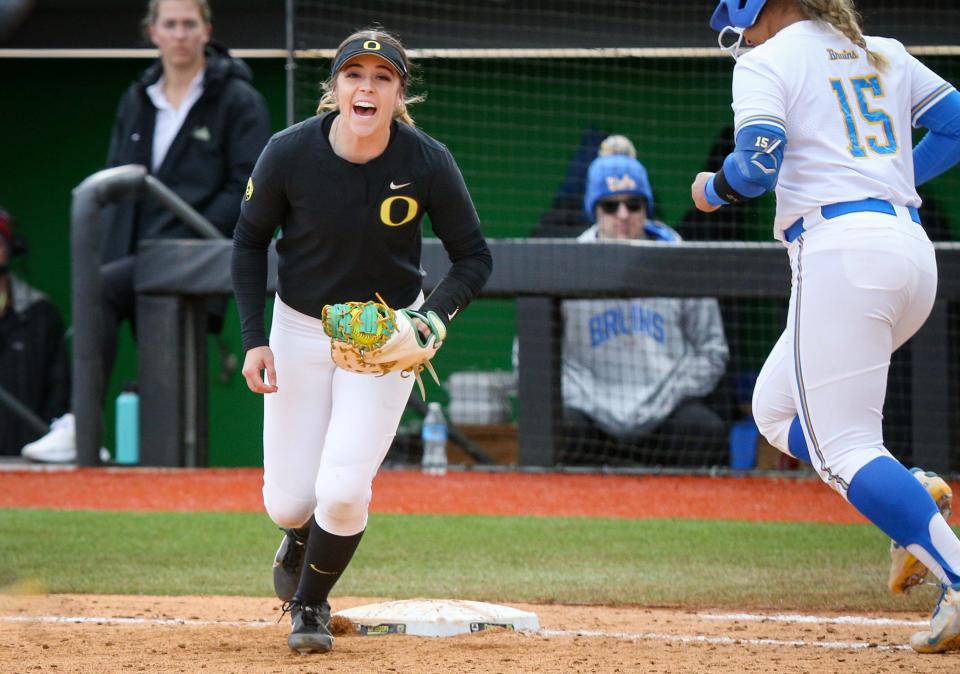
(95, 634)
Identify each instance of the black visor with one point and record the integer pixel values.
(364, 46)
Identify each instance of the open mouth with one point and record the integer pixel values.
(364, 109)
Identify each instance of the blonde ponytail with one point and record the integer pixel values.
(841, 15)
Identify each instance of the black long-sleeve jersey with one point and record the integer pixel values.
(349, 230)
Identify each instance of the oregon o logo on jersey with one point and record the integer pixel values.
(394, 206)
(248, 195)
(371, 45)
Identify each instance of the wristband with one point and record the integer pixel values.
(725, 191)
(710, 192)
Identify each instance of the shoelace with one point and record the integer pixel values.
(286, 608)
(308, 614)
(943, 594)
(944, 588)
(312, 616)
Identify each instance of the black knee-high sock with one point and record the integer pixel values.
(326, 559)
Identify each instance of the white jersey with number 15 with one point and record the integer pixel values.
(848, 124)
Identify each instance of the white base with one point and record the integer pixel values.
(438, 617)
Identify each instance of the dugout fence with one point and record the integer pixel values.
(173, 278)
(541, 273)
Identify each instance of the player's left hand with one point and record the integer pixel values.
(698, 192)
(422, 328)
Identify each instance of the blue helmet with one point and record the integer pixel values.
(736, 13)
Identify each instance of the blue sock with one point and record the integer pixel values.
(889, 496)
(798, 443)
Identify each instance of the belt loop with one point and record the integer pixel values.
(793, 232)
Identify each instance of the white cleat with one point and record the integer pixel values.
(57, 446)
(944, 634)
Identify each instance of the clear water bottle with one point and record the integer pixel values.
(128, 426)
(434, 436)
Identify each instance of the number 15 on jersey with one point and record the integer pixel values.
(861, 86)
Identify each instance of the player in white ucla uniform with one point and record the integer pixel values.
(824, 116)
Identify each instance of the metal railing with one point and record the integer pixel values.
(86, 227)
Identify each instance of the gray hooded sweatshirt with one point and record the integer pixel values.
(628, 362)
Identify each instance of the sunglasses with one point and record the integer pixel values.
(633, 205)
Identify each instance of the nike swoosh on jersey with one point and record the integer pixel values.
(394, 186)
(455, 312)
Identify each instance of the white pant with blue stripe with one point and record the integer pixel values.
(863, 284)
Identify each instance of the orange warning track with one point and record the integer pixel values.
(409, 491)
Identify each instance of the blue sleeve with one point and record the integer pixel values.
(939, 149)
(754, 165)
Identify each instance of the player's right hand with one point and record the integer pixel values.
(698, 193)
(257, 360)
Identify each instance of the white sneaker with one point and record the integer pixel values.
(944, 633)
(57, 446)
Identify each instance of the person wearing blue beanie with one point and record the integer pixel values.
(635, 370)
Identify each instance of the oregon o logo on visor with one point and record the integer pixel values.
(386, 211)
(372, 45)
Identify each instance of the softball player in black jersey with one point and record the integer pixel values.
(348, 189)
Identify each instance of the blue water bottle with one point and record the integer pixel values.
(128, 426)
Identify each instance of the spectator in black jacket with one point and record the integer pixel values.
(33, 354)
(198, 125)
(194, 120)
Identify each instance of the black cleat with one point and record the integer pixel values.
(288, 562)
(311, 627)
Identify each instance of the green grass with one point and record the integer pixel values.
(566, 560)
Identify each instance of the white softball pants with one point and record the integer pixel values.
(325, 431)
(863, 284)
